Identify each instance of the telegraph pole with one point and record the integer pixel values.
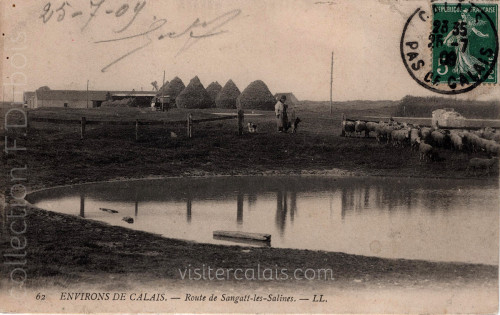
(331, 87)
(87, 93)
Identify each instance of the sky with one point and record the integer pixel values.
(286, 43)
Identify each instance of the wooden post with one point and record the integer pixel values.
(82, 128)
(27, 122)
(342, 125)
(190, 125)
(136, 129)
(241, 116)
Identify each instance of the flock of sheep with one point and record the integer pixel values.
(427, 139)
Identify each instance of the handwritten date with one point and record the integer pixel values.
(193, 33)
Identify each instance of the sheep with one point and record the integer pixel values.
(413, 138)
(456, 140)
(488, 133)
(471, 141)
(387, 130)
(491, 147)
(380, 131)
(371, 127)
(439, 138)
(359, 127)
(347, 128)
(425, 150)
(478, 163)
(496, 137)
(425, 133)
(400, 137)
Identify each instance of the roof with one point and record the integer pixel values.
(71, 95)
(133, 93)
(75, 95)
(289, 97)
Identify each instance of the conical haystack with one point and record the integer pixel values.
(227, 96)
(163, 89)
(213, 90)
(174, 88)
(256, 96)
(193, 96)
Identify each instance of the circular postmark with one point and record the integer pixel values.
(451, 48)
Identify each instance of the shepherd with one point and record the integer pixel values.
(281, 115)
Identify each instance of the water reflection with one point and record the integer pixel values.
(412, 219)
(82, 206)
(239, 208)
(353, 199)
(281, 211)
(188, 210)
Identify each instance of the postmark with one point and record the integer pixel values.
(452, 48)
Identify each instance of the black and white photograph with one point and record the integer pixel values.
(249, 156)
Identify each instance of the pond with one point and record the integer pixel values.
(436, 220)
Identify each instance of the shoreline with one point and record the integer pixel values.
(125, 253)
(243, 247)
(333, 173)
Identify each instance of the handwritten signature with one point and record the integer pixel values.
(195, 32)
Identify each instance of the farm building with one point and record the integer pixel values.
(141, 98)
(29, 99)
(84, 99)
(290, 98)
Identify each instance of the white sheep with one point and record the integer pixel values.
(478, 163)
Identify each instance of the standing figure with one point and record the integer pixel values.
(280, 111)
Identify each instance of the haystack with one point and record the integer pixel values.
(227, 96)
(163, 88)
(256, 96)
(174, 88)
(194, 96)
(213, 90)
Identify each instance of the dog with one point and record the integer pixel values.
(295, 124)
(252, 128)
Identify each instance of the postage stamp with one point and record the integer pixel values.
(462, 43)
(271, 156)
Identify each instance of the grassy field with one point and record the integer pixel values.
(64, 248)
(110, 152)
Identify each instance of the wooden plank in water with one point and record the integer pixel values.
(243, 241)
(243, 235)
(108, 210)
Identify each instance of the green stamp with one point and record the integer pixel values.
(463, 40)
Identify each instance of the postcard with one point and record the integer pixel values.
(268, 156)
